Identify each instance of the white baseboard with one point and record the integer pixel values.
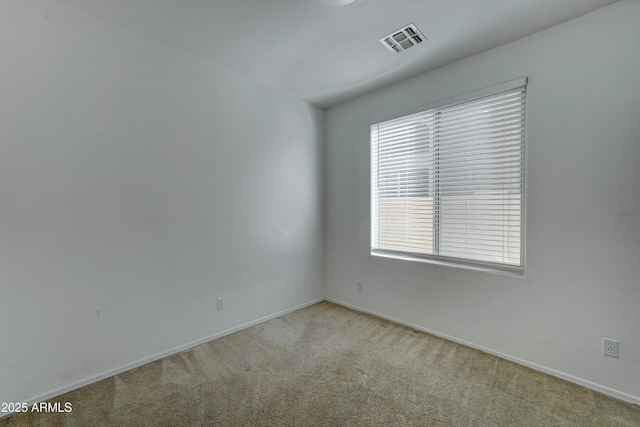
(576, 380)
(78, 384)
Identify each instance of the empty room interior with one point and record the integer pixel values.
(320, 212)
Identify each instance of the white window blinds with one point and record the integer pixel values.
(447, 183)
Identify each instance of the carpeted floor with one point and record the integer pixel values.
(326, 365)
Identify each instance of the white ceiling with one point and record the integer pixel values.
(326, 54)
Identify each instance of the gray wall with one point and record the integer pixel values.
(583, 242)
(140, 183)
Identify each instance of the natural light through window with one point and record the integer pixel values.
(447, 182)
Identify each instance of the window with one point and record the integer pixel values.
(447, 182)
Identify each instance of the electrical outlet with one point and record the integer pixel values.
(609, 347)
(360, 286)
(220, 303)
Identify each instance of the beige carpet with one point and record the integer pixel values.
(326, 365)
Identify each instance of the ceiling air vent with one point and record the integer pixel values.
(402, 39)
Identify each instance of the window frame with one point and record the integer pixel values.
(464, 263)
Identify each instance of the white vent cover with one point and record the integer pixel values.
(403, 39)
